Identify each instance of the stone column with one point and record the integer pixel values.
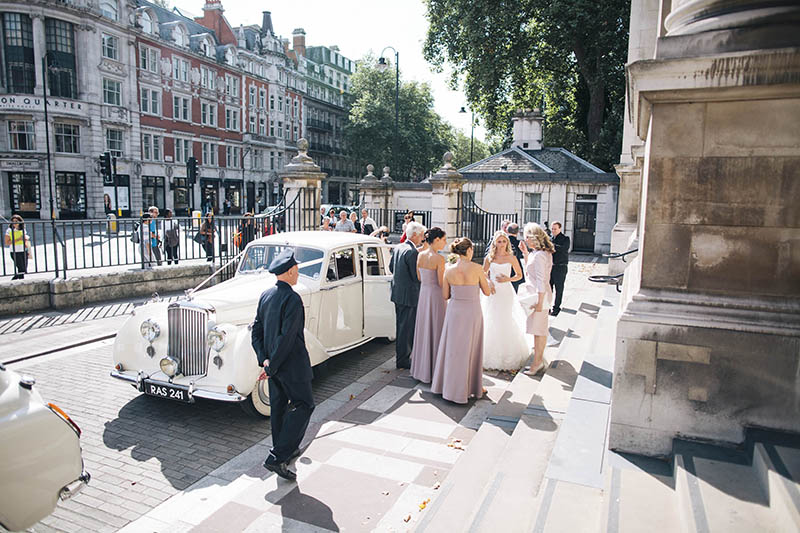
(447, 184)
(302, 181)
(709, 332)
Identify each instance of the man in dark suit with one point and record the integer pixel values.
(405, 291)
(280, 346)
(513, 237)
(560, 259)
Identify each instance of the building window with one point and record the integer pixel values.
(272, 101)
(181, 39)
(180, 69)
(148, 59)
(25, 197)
(112, 92)
(68, 138)
(180, 108)
(208, 78)
(232, 156)
(147, 22)
(231, 85)
(208, 114)
(232, 119)
(110, 47)
(280, 103)
(272, 160)
(114, 142)
(294, 138)
(21, 135)
(209, 154)
(180, 198)
(262, 99)
(262, 126)
(294, 111)
(60, 39)
(272, 128)
(153, 192)
(183, 150)
(18, 51)
(71, 194)
(150, 101)
(252, 96)
(109, 9)
(151, 147)
(258, 159)
(532, 207)
(252, 123)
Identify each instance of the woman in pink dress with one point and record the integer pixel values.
(430, 308)
(537, 294)
(458, 373)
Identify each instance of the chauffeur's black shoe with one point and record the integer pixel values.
(282, 469)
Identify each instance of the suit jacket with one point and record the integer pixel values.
(561, 255)
(277, 334)
(405, 284)
(515, 250)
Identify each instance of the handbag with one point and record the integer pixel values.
(527, 299)
(199, 238)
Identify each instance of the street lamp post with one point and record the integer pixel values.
(245, 151)
(45, 71)
(471, 136)
(382, 66)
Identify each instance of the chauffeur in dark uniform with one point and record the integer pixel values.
(560, 260)
(280, 346)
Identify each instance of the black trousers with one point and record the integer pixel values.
(291, 404)
(20, 264)
(557, 277)
(406, 317)
(172, 253)
(209, 246)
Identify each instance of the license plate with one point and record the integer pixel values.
(170, 392)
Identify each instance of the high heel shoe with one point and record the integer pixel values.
(534, 370)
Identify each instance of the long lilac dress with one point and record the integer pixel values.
(458, 373)
(428, 327)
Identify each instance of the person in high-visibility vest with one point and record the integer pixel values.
(20, 244)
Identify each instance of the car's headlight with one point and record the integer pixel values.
(149, 330)
(169, 366)
(216, 339)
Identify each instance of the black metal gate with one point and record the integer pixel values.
(478, 225)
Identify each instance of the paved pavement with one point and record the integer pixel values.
(380, 444)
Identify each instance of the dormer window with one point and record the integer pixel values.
(230, 57)
(181, 39)
(146, 21)
(109, 9)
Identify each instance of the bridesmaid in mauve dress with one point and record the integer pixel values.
(431, 307)
(458, 374)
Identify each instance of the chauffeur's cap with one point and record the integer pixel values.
(283, 262)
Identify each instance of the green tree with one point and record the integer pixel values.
(567, 57)
(423, 135)
(461, 150)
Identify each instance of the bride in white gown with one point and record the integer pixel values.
(505, 344)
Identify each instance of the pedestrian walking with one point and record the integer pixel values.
(560, 265)
(172, 237)
(155, 237)
(247, 231)
(207, 234)
(20, 244)
(280, 346)
(405, 292)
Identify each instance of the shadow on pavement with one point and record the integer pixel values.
(304, 508)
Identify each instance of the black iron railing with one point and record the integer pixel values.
(480, 225)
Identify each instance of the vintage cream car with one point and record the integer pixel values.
(40, 453)
(200, 347)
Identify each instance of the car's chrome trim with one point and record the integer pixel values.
(193, 391)
(71, 489)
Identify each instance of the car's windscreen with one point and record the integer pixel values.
(257, 258)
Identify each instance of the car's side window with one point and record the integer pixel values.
(373, 261)
(342, 265)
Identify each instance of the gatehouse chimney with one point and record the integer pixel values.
(527, 129)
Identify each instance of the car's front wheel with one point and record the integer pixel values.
(257, 404)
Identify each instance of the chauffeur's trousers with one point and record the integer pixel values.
(406, 317)
(291, 406)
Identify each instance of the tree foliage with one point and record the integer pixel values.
(370, 131)
(567, 57)
(462, 146)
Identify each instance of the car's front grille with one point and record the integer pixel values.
(187, 338)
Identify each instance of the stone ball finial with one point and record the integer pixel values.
(448, 159)
(386, 171)
(302, 145)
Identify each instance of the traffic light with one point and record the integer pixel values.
(105, 165)
(191, 170)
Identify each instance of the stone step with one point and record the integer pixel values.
(778, 470)
(716, 494)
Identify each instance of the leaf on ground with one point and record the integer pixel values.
(407, 518)
(424, 504)
(352, 397)
(437, 485)
(385, 493)
(455, 444)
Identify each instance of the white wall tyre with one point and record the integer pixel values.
(257, 404)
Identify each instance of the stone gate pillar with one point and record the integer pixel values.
(302, 181)
(377, 193)
(708, 340)
(446, 198)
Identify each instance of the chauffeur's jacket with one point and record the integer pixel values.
(405, 284)
(277, 334)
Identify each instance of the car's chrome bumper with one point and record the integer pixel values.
(75, 487)
(193, 392)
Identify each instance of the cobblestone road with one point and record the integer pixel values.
(142, 450)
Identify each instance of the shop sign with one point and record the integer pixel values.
(12, 102)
